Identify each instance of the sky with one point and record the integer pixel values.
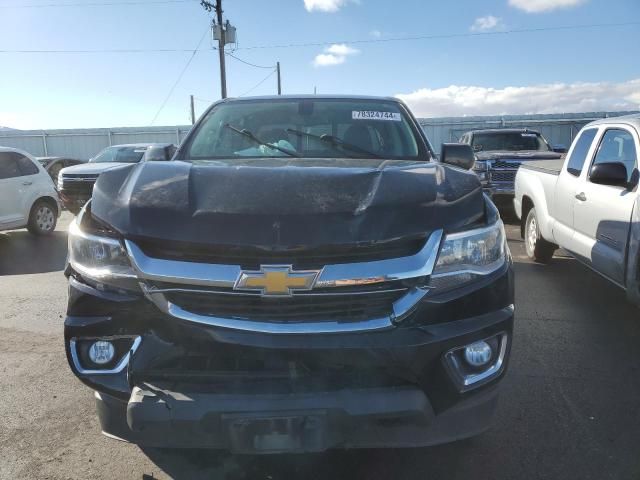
(444, 58)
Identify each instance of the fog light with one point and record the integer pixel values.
(473, 365)
(101, 352)
(478, 354)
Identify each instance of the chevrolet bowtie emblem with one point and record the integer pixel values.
(276, 280)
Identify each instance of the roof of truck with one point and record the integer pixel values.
(140, 145)
(313, 97)
(503, 130)
(633, 120)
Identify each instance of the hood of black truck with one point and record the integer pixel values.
(285, 203)
(517, 156)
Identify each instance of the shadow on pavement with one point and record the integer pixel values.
(22, 253)
(435, 462)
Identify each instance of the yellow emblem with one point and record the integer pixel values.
(276, 280)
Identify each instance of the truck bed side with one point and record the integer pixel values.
(535, 185)
(552, 167)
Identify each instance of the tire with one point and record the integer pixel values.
(538, 249)
(43, 218)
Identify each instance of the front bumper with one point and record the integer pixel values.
(73, 201)
(190, 385)
(497, 189)
(275, 423)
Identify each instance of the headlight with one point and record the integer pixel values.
(480, 169)
(480, 166)
(100, 260)
(465, 256)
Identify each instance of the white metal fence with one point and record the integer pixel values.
(85, 143)
(559, 129)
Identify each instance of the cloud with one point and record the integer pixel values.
(548, 98)
(484, 24)
(327, 59)
(341, 49)
(324, 5)
(375, 33)
(335, 54)
(539, 6)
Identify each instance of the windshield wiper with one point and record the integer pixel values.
(251, 136)
(334, 142)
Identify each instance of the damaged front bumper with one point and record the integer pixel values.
(176, 383)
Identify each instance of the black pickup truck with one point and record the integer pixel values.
(500, 152)
(303, 276)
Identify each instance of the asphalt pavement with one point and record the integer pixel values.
(570, 404)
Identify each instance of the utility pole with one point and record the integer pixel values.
(193, 112)
(224, 33)
(279, 83)
(223, 72)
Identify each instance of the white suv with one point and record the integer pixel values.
(28, 197)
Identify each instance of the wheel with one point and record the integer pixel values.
(538, 249)
(43, 218)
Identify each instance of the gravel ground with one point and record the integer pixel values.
(569, 409)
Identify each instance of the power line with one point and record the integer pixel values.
(248, 63)
(205, 100)
(258, 84)
(173, 87)
(441, 36)
(107, 50)
(325, 43)
(98, 4)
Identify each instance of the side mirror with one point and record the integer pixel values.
(560, 148)
(457, 154)
(155, 155)
(609, 173)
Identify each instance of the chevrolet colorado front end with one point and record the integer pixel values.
(303, 276)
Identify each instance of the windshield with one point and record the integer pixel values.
(310, 128)
(120, 154)
(509, 141)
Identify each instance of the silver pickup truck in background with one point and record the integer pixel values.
(500, 152)
(588, 204)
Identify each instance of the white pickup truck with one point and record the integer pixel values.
(588, 203)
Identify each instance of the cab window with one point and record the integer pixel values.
(578, 155)
(25, 165)
(9, 166)
(617, 145)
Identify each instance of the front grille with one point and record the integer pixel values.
(503, 175)
(242, 370)
(349, 307)
(504, 164)
(78, 185)
(300, 258)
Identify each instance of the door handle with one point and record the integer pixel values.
(27, 182)
(581, 196)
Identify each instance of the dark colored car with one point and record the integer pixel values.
(75, 184)
(302, 276)
(499, 153)
(53, 165)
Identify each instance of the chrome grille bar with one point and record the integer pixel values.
(341, 275)
(400, 309)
